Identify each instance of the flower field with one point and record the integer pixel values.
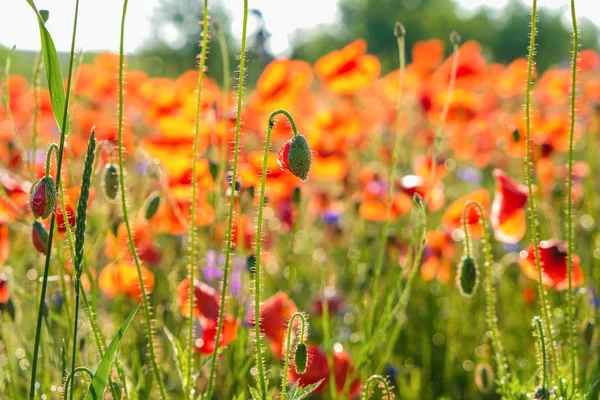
(429, 233)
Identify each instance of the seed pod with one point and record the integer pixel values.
(295, 156)
(151, 206)
(111, 181)
(467, 277)
(43, 197)
(300, 358)
(541, 393)
(39, 237)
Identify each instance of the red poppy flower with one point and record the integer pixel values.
(317, 369)
(553, 257)
(4, 294)
(343, 370)
(4, 243)
(206, 331)
(508, 209)
(275, 313)
(206, 300)
(60, 218)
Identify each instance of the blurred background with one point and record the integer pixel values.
(162, 36)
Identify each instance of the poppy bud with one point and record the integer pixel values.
(455, 38)
(295, 156)
(297, 195)
(151, 206)
(467, 277)
(39, 237)
(541, 393)
(516, 136)
(399, 30)
(213, 168)
(251, 263)
(43, 197)
(300, 358)
(111, 181)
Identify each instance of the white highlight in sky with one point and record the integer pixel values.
(99, 21)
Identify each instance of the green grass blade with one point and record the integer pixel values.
(101, 375)
(53, 73)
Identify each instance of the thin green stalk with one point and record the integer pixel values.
(569, 221)
(262, 380)
(400, 34)
(225, 64)
(383, 383)
(59, 159)
(80, 236)
(540, 331)
(327, 337)
(533, 223)
(238, 121)
(146, 306)
(192, 265)
(286, 364)
(490, 292)
(455, 40)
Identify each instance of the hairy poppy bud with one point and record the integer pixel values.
(39, 237)
(588, 331)
(111, 181)
(300, 358)
(151, 206)
(43, 197)
(251, 263)
(213, 168)
(295, 156)
(541, 393)
(466, 279)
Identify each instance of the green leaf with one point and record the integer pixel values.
(53, 73)
(298, 393)
(181, 358)
(254, 393)
(593, 391)
(63, 360)
(101, 375)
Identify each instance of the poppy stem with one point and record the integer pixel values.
(533, 221)
(71, 379)
(36, 110)
(236, 150)
(302, 339)
(400, 33)
(53, 147)
(491, 299)
(540, 333)
(569, 221)
(382, 383)
(192, 265)
(146, 306)
(59, 160)
(262, 382)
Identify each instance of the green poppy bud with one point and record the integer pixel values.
(467, 277)
(295, 156)
(151, 206)
(300, 358)
(111, 181)
(39, 237)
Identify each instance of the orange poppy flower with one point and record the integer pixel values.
(206, 300)
(437, 257)
(117, 278)
(553, 257)
(426, 55)
(280, 84)
(4, 243)
(348, 70)
(275, 312)
(142, 238)
(206, 330)
(453, 216)
(508, 208)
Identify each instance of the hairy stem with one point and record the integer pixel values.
(286, 364)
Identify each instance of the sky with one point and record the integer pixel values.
(99, 21)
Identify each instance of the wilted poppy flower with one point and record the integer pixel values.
(453, 217)
(275, 313)
(206, 330)
(553, 257)
(508, 209)
(347, 70)
(117, 278)
(206, 300)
